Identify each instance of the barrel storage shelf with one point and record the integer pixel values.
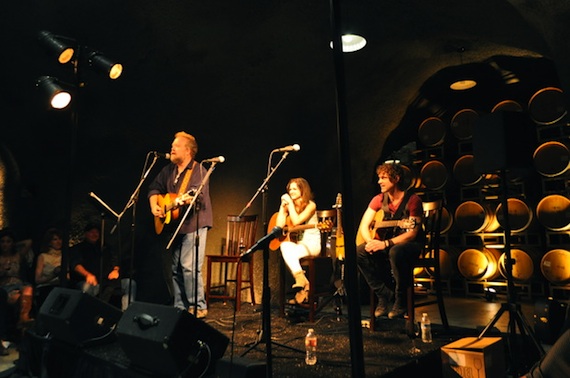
(445, 166)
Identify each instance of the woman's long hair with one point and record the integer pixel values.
(306, 192)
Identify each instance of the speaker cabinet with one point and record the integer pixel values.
(165, 340)
(77, 318)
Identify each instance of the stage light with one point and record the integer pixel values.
(61, 46)
(104, 65)
(464, 84)
(352, 42)
(57, 97)
(490, 294)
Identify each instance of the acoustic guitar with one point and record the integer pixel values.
(384, 229)
(339, 243)
(289, 232)
(170, 203)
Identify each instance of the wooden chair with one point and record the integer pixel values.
(240, 236)
(429, 258)
(318, 269)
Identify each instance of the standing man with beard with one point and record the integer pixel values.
(169, 194)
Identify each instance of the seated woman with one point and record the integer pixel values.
(297, 208)
(48, 264)
(13, 279)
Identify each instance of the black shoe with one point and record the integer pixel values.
(397, 310)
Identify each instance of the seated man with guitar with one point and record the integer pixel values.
(389, 240)
(298, 212)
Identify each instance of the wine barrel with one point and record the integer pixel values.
(522, 270)
(471, 216)
(464, 171)
(508, 106)
(445, 265)
(433, 175)
(479, 264)
(547, 106)
(555, 266)
(431, 132)
(446, 221)
(520, 215)
(410, 179)
(552, 158)
(553, 212)
(463, 123)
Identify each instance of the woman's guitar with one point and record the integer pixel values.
(289, 232)
(339, 231)
(170, 203)
(382, 230)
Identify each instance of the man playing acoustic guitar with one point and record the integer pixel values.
(179, 180)
(386, 249)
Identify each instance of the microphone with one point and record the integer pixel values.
(161, 154)
(294, 147)
(266, 239)
(217, 159)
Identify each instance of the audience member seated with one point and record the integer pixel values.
(48, 264)
(97, 271)
(13, 280)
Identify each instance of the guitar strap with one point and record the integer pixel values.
(401, 209)
(186, 180)
(399, 212)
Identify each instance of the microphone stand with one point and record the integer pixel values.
(265, 334)
(132, 202)
(197, 238)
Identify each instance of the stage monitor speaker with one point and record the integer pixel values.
(503, 140)
(166, 340)
(77, 318)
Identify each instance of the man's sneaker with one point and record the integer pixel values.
(381, 307)
(397, 310)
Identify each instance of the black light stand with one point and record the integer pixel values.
(514, 309)
(265, 334)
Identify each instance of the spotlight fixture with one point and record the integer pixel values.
(351, 42)
(490, 294)
(62, 47)
(104, 65)
(58, 98)
(461, 85)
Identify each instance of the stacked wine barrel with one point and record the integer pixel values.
(473, 238)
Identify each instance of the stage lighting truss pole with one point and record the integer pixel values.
(513, 308)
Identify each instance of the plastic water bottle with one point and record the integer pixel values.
(426, 328)
(311, 347)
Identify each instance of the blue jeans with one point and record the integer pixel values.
(185, 271)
